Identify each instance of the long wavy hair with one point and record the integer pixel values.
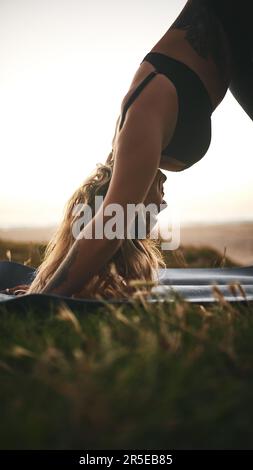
(135, 260)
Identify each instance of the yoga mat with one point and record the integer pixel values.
(194, 285)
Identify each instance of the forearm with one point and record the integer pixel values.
(85, 258)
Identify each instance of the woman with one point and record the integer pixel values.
(136, 258)
(165, 121)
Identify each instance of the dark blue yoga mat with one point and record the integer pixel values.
(194, 285)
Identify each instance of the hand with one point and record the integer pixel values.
(17, 290)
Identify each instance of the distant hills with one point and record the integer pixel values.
(28, 234)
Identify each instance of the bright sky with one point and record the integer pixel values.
(65, 67)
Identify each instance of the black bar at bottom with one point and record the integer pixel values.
(113, 458)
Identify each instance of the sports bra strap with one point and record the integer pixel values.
(136, 93)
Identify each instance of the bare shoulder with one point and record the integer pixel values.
(158, 97)
(159, 86)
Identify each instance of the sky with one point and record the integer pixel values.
(65, 67)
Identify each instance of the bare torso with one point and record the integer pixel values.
(176, 44)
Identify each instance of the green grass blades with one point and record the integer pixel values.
(170, 375)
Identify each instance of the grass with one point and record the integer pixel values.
(22, 252)
(172, 375)
(31, 254)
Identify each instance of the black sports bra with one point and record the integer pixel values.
(192, 135)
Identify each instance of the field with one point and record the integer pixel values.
(173, 375)
(235, 238)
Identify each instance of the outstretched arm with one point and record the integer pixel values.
(137, 157)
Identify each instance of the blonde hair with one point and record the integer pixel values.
(136, 259)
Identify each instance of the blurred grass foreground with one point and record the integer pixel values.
(168, 375)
